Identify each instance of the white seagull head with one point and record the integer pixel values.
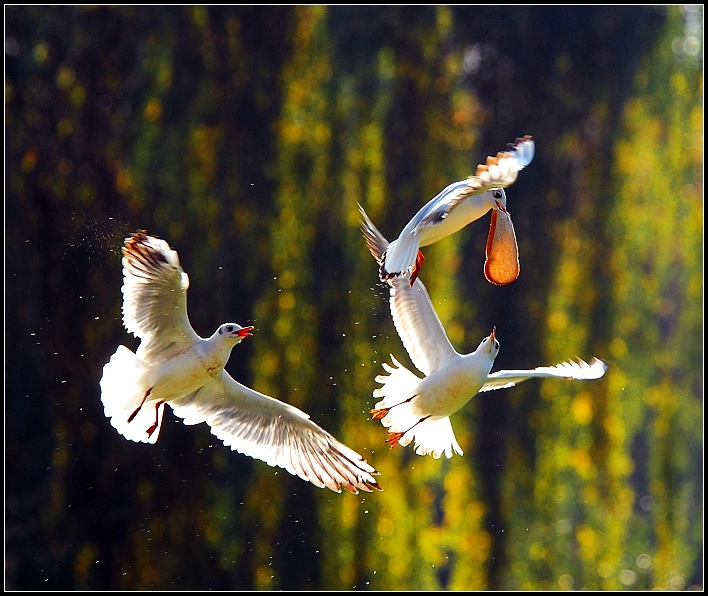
(233, 332)
(498, 198)
(489, 346)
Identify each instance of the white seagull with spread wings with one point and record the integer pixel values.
(174, 365)
(459, 204)
(419, 409)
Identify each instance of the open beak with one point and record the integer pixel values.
(493, 334)
(499, 206)
(245, 332)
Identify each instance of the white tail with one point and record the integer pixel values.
(401, 254)
(432, 434)
(435, 437)
(123, 387)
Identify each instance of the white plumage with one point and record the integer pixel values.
(419, 409)
(174, 365)
(457, 205)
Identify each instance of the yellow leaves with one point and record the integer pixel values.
(29, 159)
(396, 566)
(538, 551)
(153, 109)
(637, 155)
(286, 301)
(618, 347)
(614, 427)
(385, 526)
(200, 16)
(291, 132)
(679, 84)
(85, 560)
(309, 17)
(40, 53)
(264, 577)
(588, 542)
(580, 461)
(283, 327)
(296, 131)
(205, 141)
(124, 180)
(65, 127)
(620, 465)
(65, 76)
(582, 408)
(557, 321)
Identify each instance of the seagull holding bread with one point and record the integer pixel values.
(419, 409)
(174, 366)
(459, 204)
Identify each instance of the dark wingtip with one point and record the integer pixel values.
(387, 275)
(517, 142)
(137, 237)
(138, 246)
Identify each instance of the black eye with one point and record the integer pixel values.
(229, 328)
(497, 194)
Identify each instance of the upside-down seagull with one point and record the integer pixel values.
(419, 409)
(457, 205)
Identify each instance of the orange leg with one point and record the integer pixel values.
(419, 260)
(393, 438)
(134, 414)
(381, 413)
(157, 418)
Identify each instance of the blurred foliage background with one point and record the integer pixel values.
(246, 136)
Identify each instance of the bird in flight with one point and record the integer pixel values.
(459, 204)
(419, 409)
(173, 365)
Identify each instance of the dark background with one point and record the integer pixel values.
(246, 136)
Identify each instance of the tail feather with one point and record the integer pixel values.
(435, 437)
(374, 239)
(398, 412)
(123, 387)
(400, 256)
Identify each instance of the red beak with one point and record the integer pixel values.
(245, 332)
(493, 334)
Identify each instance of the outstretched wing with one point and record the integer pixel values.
(418, 326)
(498, 172)
(277, 433)
(570, 369)
(413, 314)
(155, 298)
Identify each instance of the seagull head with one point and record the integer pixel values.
(234, 331)
(489, 345)
(498, 198)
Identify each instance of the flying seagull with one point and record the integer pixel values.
(173, 365)
(457, 205)
(419, 409)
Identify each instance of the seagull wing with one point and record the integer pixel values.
(570, 369)
(440, 206)
(498, 172)
(155, 298)
(418, 326)
(277, 433)
(414, 317)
